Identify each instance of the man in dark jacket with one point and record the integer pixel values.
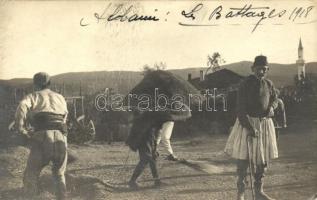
(146, 145)
(253, 135)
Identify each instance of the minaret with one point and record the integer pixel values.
(300, 62)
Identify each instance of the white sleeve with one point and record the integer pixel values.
(23, 108)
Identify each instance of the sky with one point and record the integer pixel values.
(47, 35)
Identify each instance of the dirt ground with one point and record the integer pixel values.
(102, 170)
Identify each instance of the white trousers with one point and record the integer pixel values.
(165, 136)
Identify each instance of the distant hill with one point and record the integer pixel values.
(280, 74)
(124, 81)
(89, 82)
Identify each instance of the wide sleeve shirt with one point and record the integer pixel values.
(40, 101)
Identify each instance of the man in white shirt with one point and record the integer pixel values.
(165, 136)
(46, 111)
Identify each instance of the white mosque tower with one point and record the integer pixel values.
(300, 62)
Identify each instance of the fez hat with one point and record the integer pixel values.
(260, 61)
(41, 79)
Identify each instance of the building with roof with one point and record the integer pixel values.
(223, 79)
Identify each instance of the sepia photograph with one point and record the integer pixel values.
(163, 100)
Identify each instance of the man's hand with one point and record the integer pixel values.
(252, 132)
(156, 155)
(271, 112)
(25, 137)
(24, 133)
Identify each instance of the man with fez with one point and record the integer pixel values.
(253, 135)
(47, 112)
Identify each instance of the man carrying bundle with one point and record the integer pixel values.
(157, 117)
(146, 128)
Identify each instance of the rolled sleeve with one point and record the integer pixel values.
(21, 112)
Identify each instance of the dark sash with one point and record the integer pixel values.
(49, 121)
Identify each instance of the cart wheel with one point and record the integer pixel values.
(87, 129)
(91, 131)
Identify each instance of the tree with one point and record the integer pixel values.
(160, 66)
(304, 85)
(157, 66)
(214, 62)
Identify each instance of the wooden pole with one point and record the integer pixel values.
(75, 111)
(82, 106)
(63, 89)
(80, 88)
(15, 95)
